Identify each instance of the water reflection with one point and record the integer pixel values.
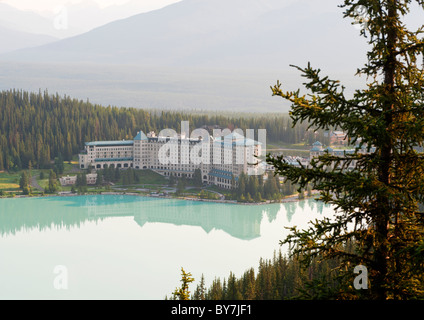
(239, 221)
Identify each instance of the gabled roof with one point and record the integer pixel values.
(140, 136)
(234, 138)
(315, 149)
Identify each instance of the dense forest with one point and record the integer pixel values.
(279, 278)
(256, 188)
(35, 128)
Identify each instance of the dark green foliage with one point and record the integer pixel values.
(208, 195)
(99, 180)
(377, 198)
(24, 180)
(255, 189)
(197, 178)
(129, 176)
(172, 181)
(279, 278)
(181, 184)
(52, 188)
(26, 190)
(200, 292)
(59, 165)
(39, 127)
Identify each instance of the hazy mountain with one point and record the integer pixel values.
(12, 40)
(86, 15)
(32, 23)
(215, 33)
(204, 54)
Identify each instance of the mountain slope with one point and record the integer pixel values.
(13, 40)
(30, 22)
(196, 54)
(215, 33)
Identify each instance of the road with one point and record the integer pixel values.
(34, 183)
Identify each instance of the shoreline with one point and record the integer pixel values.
(293, 198)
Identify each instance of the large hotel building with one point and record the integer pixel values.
(219, 159)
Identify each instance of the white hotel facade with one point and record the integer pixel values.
(219, 159)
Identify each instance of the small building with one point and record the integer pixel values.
(68, 180)
(91, 178)
(319, 150)
(72, 180)
(338, 138)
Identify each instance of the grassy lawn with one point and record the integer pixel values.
(296, 150)
(151, 177)
(281, 145)
(68, 167)
(148, 177)
(43, 183)
(9, 181)
(150, 181)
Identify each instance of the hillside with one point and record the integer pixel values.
(195, 54)
(37, 127)
(215, 33)
(13, 40)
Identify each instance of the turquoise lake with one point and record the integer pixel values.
(131, 247)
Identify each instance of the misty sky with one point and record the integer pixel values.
(50, 5)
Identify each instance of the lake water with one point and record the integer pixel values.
(130, 247)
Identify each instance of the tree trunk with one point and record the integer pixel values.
(385, 208)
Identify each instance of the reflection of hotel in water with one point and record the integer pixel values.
(243, 224)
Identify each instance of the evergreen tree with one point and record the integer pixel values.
(215, 291)
(200, 293)
(380, 196)
(117, 175)
(248, 284)
(233, 290)
(81, 180)
(172, 180)
(1, 161)
(253, 185)
(197, 178)
(52, 127)
(125, 178)
(183, 293)
(241, 186)
(59, 165)
(180, 186)
(261, 184)
(24, 180)
(52, 182)
(234, 187)
(99, 180)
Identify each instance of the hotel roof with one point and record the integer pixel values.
(222, 174)
(140, 136)
(110, 143)
(235, 138)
